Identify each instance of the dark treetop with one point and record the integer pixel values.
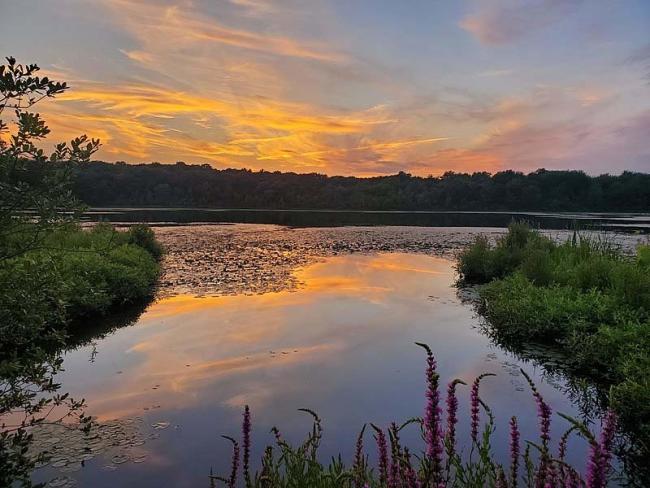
(180, 184)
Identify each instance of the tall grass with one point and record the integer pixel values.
(441, 464)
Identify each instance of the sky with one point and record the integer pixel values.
(347, 87)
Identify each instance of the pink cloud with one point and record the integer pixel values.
(506, 21)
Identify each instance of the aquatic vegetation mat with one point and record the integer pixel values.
(68, 447)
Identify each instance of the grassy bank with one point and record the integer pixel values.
(71, 274)
(582, 297)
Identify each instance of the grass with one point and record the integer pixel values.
(444, 461)
(582, 297)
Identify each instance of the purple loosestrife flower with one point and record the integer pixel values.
(246, 443)
(432, 420)
(546, 470)
(474, 409)
(410, 475)
(232, 481)
(452, 416)
(359, 464)
(607, 439)
(382, 448)
(573, 480)
(396, 454)
(514, 451)
(561, 454)
(544, 415)
(601, 453)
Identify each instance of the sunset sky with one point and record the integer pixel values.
(354, 87)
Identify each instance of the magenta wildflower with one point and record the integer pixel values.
(359, 464)
(514, 451)
(232, 481)
(561, 451)
(432, 421)
(246, 444)
(474, 409)
(546, 470)
(396, 453)
(601, 453)
(544, 415)
(607, 438)
(452, 415)
(410, 475)
(573, 480)
(561, 454)
(382, 448)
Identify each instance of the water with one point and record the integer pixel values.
(622, 222)
(332, 329)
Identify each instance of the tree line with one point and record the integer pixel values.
(119, 184)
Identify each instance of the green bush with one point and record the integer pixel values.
(475, 262)
(538, 267)
(643, 256)
(517, 308)
(72, 274)
(631, 285)
(142, 236)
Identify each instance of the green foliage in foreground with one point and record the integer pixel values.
(51, 272)
(583, 297)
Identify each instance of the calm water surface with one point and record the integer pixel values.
(341, 344)
(623, 222)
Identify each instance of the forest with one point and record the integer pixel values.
(119, 184)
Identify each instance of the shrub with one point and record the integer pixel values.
(516, 308)
(73, 274)
(631, 285)
(538, 267)
(475, 262)
(643, 256)
(142, 236)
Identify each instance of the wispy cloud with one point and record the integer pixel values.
(156, 26)
(502, 21)
(641, 57)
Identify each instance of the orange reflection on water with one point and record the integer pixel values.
(236, 349)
